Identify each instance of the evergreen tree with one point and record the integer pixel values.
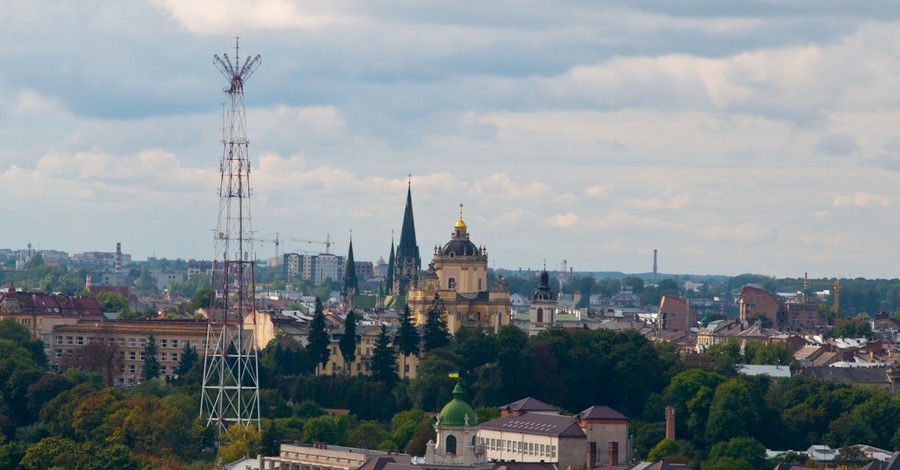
(408, 338)
(188, 357)
(384, 359)
(151, 363)
(348, 340)
(318, 347)
(436, 333)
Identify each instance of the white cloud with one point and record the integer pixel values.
(565, 220)
(218, 16)
(861, 199)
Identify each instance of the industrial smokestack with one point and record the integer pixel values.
(654, 264)
(118, 265)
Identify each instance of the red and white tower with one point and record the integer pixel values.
(230, 368)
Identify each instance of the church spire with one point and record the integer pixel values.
(407, 263)
(350, 286)
(389, 276)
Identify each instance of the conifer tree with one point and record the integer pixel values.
(435, 331)
(151, 363)
(318, 347)
(188, 357)
(348, 340)
(384, 359)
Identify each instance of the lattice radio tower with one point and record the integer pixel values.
(230, 368)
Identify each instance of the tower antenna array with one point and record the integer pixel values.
(230, 367)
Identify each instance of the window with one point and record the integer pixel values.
(174, 357)
(451, 283)
(175, 343)
(59, 340)
(69, 340)
(542, 450)
(162, 356)
(131, 369)
(132, 342)
(131, 355)
(143, 355)
(451, 444)
(162, 369)
(80, 340)
(164, 343)
(552, 451)
(58, 353)
(143, 342)
(122, 342)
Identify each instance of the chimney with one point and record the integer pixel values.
(591, 455)
(670, 422)
(613, 454)
(88, 282)
(118, 265)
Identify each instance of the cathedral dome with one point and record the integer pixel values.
(456, 412)
(459, 247)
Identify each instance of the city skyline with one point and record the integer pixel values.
(733, 138)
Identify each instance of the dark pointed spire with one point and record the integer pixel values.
(407, 263)
(350, 280)
(389, 276)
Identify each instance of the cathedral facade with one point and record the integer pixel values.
(458, 275)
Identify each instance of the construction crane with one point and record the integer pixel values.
(328, 242)
(836, 289)
(276, 241)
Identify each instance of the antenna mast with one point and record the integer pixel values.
(230, 367)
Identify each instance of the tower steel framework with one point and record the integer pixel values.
(230, 367)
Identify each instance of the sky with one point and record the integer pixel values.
(733, 137)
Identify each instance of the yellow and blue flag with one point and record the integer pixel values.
(454, 374)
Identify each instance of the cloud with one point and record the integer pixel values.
(215, 17)
(861, 199)
(565, 220)
(678, 201)
(836, 145)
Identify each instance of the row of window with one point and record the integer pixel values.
(132, 356)
(524, 448)
(132, 342)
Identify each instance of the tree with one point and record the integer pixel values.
(239, 441)
(384, 359)
(100, 357)
(52, 452)
(742, 448)
(435, 331)
(188, 357)
(347, 342)
(407, 338)
(367, 435)
(151, 362)
(318, 346)
(734, 411)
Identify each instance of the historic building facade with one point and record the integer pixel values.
(458, 275)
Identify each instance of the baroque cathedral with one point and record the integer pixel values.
(458, 274)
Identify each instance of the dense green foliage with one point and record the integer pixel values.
(724, 419)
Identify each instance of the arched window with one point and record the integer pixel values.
(451, 444)
(451, 283)
(540, 315)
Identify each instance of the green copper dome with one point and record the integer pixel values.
(455, 412)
